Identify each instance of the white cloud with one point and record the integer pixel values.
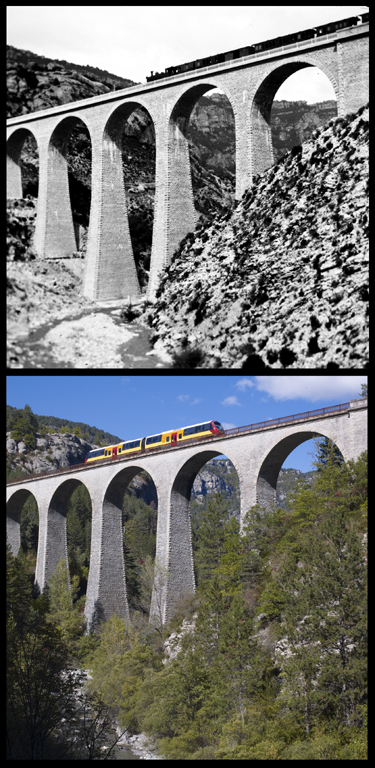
(228, 425)
(244, 384)
(312, 388)
(196, 401)
(231, 401)
(183, 398)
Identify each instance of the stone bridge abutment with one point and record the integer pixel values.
(257, 456)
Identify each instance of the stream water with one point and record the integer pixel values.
(92, 339)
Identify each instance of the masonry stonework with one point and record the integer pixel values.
(257, 456)
(249, 83)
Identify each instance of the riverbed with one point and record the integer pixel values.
(50, 324)
(93, 339)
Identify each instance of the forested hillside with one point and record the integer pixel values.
(19, 418)
(269, 656)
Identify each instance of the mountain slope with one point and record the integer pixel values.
(36, 82)
(280, 281)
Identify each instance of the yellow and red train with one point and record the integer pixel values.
(171, 437)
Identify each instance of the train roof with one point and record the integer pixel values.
(186, 426)
(113, 445)
(163, 432)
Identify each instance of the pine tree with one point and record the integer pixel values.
(41, 690)
(62, 612)
(326, 450)
(212, 535)
(324, 618)
(25, 425)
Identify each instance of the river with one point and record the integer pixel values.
(92, 339)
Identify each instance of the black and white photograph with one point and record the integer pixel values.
(187, 188)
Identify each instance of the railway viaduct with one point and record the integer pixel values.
(257, 453)
(250, 83)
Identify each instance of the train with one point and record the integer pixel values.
(170, 437)
(267, 45)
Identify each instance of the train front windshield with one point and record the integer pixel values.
(218, 426)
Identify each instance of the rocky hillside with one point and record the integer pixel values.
(37, 82)
(293, 122)
(280, 281)
(52, 451)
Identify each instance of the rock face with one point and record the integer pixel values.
(281, 281)
(36, 82)
(293, 122)
(52, 451)
(209, 483)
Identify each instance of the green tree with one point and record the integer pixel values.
(212, 534)
(25, 425)
(40, 686)
(324, 619)
(326, 450)
(97, 440)
(363, 390)
(62, 611)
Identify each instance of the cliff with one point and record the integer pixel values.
(281, 280)
(37, 82)
(52, 451)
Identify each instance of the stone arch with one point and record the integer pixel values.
(180, 557)
(106, 589)
(60, 233)
(55, 545)
(186, 100)
(260, 105)
(177, 129)
(15, 505)
(272, 461)
(111, 267)
(15, 145)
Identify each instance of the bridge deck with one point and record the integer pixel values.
(235, 432)
(196, 74)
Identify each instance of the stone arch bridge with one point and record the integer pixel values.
(257, 453)
(250, 83)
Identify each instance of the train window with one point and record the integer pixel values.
(154, 439)
(92, 454)
(167, 439)
(132, 444)
(197, 429)
(180, 436)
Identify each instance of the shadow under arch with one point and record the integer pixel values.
(180, 557)
(15, 145)
(55, 235)
(55, 546)
(270, 467)
(178, 138)
(106, 589)
(111, 268)
(261, 102)
(14, 508)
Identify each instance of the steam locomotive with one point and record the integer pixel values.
(276, 42)
(170, 438)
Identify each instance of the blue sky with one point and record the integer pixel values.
(132, 40)
(134, 406)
